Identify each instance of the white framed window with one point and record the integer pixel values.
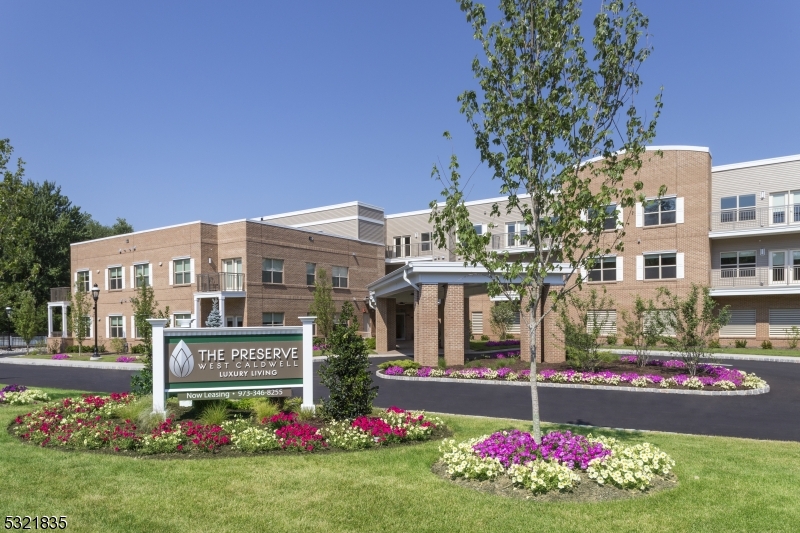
(660, 211)
(516, 233)
(84, 277)
(182, 271)
(272, 319)
(115, 278)
(340, 277)
(311, 273)
(605, 320)
(606, 269)
(477, 322)
(141, 275)
(777, 208)
(402, 245)
(182, 320)
(425, 242)
(610, 216)
(741, 324)
(660, 265)
(737, 208)
(738, 264)
(87, 327)
(116, 327)
(272, 271)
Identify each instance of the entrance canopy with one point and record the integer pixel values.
(401, 283)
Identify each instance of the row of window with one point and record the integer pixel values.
(272, 272)
(652, 266)
(784, 207)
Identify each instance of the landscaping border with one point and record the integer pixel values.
(75, 364)
(747, 392)
(731, 356)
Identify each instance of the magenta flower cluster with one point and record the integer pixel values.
(507, 342)
(125, 359)
(60, 356)
(517, 447)
(713, 373)
(14, 388)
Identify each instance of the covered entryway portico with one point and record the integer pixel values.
(438, 292)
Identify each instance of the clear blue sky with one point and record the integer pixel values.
(166, 112)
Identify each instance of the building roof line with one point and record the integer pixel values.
(756, 163)
(318, 209)
(143, 231)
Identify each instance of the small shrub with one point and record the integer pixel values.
(611, 340)
(484, 337)
(509, 336)
(766, 345)
(215, 414)
(264, 408)
(133, 410)
(371, 343)
(139, 349)
(404, 363)
(741, 343)
(292, 404)
(794, 337)
(306, 414)
(117, 345)
(714, 345)
(627, 341)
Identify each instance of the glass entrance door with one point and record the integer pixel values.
(232, 279)
(778, 267)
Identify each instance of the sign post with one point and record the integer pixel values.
(204, 363)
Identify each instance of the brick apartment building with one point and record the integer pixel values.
(735, 228)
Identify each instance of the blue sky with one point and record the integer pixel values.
(166, 112)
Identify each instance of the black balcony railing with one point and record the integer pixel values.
(220, 281)
(60, 294)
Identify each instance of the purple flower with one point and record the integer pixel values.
(394, 371)
(60, 356)
(125, 359)
(14, 388)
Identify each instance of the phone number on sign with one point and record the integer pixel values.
(260, 392)
(36, 522)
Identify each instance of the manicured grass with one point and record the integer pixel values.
(725, 485)
(783, 352)
(480, 346)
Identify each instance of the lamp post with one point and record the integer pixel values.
(95, 294)
(8, 314)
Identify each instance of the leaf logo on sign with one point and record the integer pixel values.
(181, 362)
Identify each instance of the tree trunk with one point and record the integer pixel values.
(537, 430)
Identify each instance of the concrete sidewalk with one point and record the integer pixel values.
(74, 364)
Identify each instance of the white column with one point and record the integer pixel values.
(64, 328)
(308, 362)
(197, 321)
(222, 310)
(49, 321)
(159, 379)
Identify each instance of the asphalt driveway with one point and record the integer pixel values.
(774, 416)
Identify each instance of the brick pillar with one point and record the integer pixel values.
(454, 325)
(385, 325)
(524, 338)
(553, 337)
(467, 325)
(426, 325)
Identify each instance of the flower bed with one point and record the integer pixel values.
(127, 359)
(92, 422)
(711, 376)
(560, 462)
(61, 356)
(21, 395)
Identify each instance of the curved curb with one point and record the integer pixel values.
(747, 392)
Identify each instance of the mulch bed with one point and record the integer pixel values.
(586, 491)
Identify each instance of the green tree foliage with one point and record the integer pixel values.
(214, 319)
(502, 317)
(644, 327)
(346, 372)
(96, 230)
(145, 306)
(695, 322)
(29, 319)
(582, 319)
(556, 124)
(80, 321)
(322, 307)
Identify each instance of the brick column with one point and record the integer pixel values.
(454, 325)
(467, 330)
(385, 325)
(426, 325)
(524, 339)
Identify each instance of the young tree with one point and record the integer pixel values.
(29, 320)
(322, 307)
(145, 306)
(695, 321)
(582, 319)
(79, 320)
(214, 319)
(346, 371)
(502, 316)
(557, 126)
(644, 327)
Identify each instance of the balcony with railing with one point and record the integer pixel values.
(220, 281)
(60, 294)
(511, 242)
(755, 277)
(756, 218)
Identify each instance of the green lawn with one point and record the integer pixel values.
(480, 346)
(783, 352)
(725, 485)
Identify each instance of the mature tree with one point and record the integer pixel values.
(323, 307)
(643, 328)
(346, 371)
(694, 322)
(557, 126)
(29, 320)
(502, 316)
(96, 230)
(79, 319)
(214, 319)
(145, 306)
